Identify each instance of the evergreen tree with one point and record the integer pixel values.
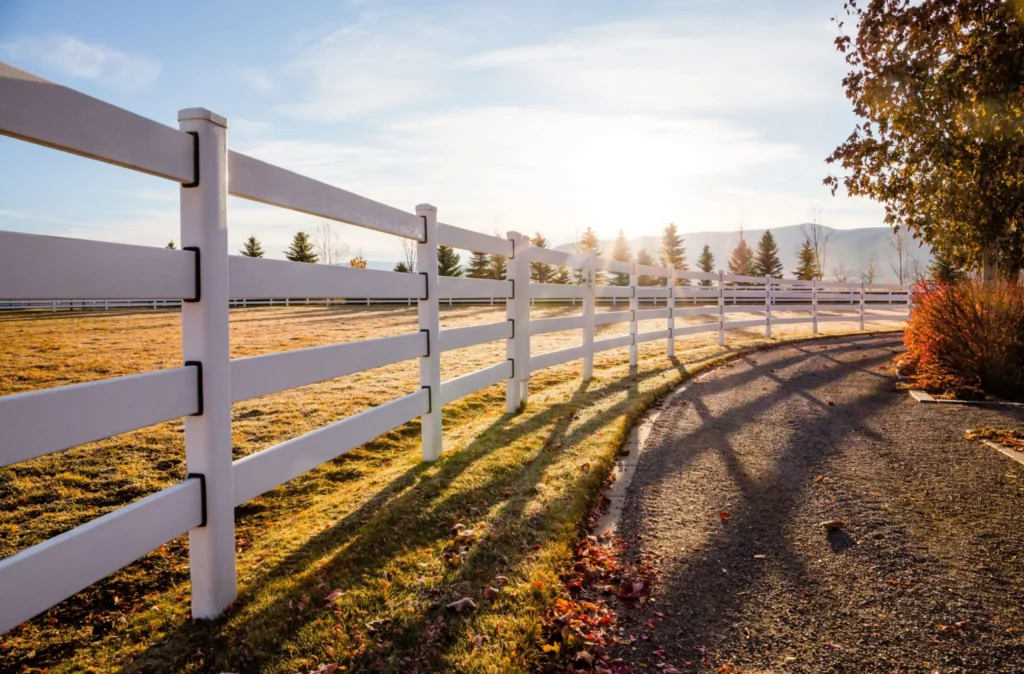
(170, 245)
(301, 249)
(540, 272)
(742, 257)
(807, 262)
(252, 247)
(589, 242)
(448, 262)
(403, 267)
(767, 261)
(943, 270)
(645, 258)
(563, 277)
(672, 250)
(479, 266)
(620, 252)
(706, 263)
(497, 267)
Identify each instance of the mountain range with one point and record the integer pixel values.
(853, 248)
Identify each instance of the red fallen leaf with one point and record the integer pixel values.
(650, 623)
(574, 585)
(833, 646)
(724, 515)
(490, 592)
(537, 585)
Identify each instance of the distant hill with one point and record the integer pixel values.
(853, 247)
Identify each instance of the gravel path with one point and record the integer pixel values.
(922, 574)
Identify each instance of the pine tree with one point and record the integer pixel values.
(301, 249)
(942, 269)
(170, 245)
(403, 268)
(252, 247)
(706, 263)
(448, 262)
(620, 252)
(807, 264)
(540, 272)
(589, 242)
(563, 277)
(479, 266)
(766, 261)
(645, 258)
(742, 257)
(497, 267)
(672, 250)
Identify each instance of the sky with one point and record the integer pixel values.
(527, 116)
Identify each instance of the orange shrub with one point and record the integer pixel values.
(967, 339)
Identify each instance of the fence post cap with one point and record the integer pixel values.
(202, 113)
(426, 207)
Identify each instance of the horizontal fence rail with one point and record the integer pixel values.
(204, 282)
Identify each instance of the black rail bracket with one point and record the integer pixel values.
(202, 488)
(199, 276)
(198, 365)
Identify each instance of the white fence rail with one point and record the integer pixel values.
(50, 272)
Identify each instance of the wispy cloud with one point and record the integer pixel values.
(258, 80)
(75, 58)
(353, 72)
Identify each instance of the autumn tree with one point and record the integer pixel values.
(448, 261)
(706, 263)
(301, 249)
(588, 242)
(358, 262)
(540, 272)
(479, 266)
(621, 252)
(251, 248)
(766, 259)
(938, 87)
(807, 262)
(742, 257)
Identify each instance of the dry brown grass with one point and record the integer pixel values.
(372, 523)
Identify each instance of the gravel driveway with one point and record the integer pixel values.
(919, 569)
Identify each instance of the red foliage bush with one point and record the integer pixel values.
(967, 339)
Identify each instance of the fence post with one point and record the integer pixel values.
(814, 305)
(633, 304)
(862, 305)
(205, 341)
(670, 304)
(721, 308)
(517, 310)
(588, 317)
(768, 306)
(430, 323)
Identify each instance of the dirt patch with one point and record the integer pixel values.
(804, 516)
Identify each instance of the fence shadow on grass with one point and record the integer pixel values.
(413, 510)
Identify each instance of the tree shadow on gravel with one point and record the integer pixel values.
(712, 586)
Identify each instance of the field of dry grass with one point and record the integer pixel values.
(371, 529)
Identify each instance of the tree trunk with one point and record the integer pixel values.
(988, 265)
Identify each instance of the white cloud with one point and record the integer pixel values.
(258, 80)
(353, 72)
(74, 58)
(673, 65)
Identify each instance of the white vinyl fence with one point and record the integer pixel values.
(205, 281)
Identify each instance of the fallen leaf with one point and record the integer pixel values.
(724, 515)
(459, 604)
(334, 595)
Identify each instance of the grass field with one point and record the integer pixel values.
(372, 530)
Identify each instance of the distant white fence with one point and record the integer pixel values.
(205, 281)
